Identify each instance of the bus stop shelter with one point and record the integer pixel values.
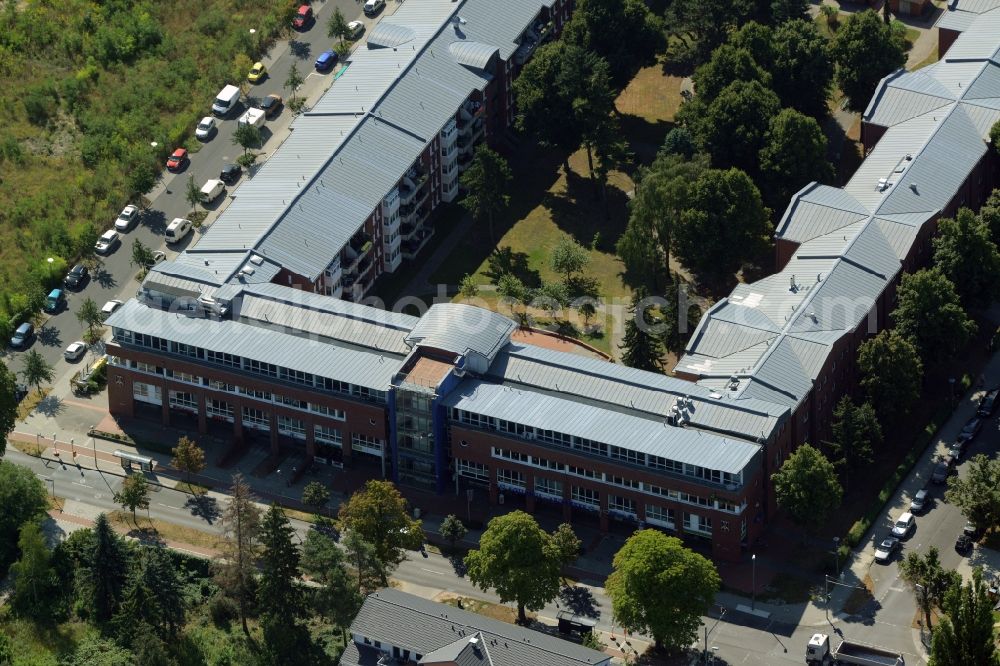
(130, 461)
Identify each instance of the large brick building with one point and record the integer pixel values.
(245, 337)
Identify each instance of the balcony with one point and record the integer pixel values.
(469, 129)
(390, 203)
(393, 258)
(471, 110)
(449, 133)
(449, 190)
(390, 225)
(412, 247)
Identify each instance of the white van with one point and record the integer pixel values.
(211, 190)
(255, 117)
(177, 230)
(226, 100)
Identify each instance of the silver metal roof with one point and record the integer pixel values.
(960, 14)
(423, 626)
(609, 385)
(462, 329)
(369, 369)
(628, 431)
(473, 54)
(387, 34)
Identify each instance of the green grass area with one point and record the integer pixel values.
(88, 86)
(41, 644)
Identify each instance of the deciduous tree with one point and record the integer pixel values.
(142, 255)
(728, 64)
(371, 570)
(24, 499)
(518, 560)
(294, 80)
(929, 313)
(933, 579)
(36, 370)
(90, 316)
(486, 181)
(34, 579)
(965, 252)
(567, 544)
(793, 155)
(315, 495)
(246, 137)
(453, 530)
(236, 569)
(377, 513)
(735, 124)
(134, 493)
(977, 493)
(188, 457)
(623, 32)
(660, 588)
(8, 405)
(569, 258)
(865, 50)
(801, 67)
(725, 225)
(336, 27)
(891, 373)
(807, 487)
(192, 193)
(965, 636)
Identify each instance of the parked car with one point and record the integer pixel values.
(904, 525)
(110, 307)
(963, 543)
(972, 531)
(22, 336)
(230, 173)
(257, 73)
(970, 429)
(988, 403)
(75, 351)
(919, 501)
(326, 61)
(177, 160)
(177, 230)
(127, 218)
(885, 550)
(107, 243)
(303, 17)
(372, 7)
(956, 450)
(941, 472)
(158, 256)
(55, 301)
(77, 277)
(271, 105)
(355, 29)
(205, 129)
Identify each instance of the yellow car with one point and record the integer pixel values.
(257, 73)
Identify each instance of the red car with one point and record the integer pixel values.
(177, 160)
(303, 17)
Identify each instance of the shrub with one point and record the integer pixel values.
(222, 610)
(40, 103)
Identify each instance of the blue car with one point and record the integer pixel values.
(325, 61)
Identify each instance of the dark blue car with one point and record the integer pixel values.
(325, 61)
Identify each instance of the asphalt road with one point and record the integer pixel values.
(114, 277)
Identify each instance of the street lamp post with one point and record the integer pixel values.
(722, 612)
(753, 584)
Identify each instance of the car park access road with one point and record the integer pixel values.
(113, 276)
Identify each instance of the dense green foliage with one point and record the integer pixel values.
(866, 49)
(8, 405)
(806, 487)
(977, 493)
(930, 314)
(23, 498)
(929, 579)
(793, 155)
(966, 637)
(518, 560)
(640, 347)
(623, 32)
(856, 433)
(377, 513)
(891, 373)
(661, 588)
(88, 87)
(965, 252)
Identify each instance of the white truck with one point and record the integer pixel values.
(211, 190)
(820, 653)
(226, 101)
(253, 116)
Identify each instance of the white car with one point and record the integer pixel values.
(127, 218)
(355, 29)
(75, 351)
(205, 128)
(110, 307)
(372, 7)
(107, 243)
(885, 550)
(904, 525)
(159, 256)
